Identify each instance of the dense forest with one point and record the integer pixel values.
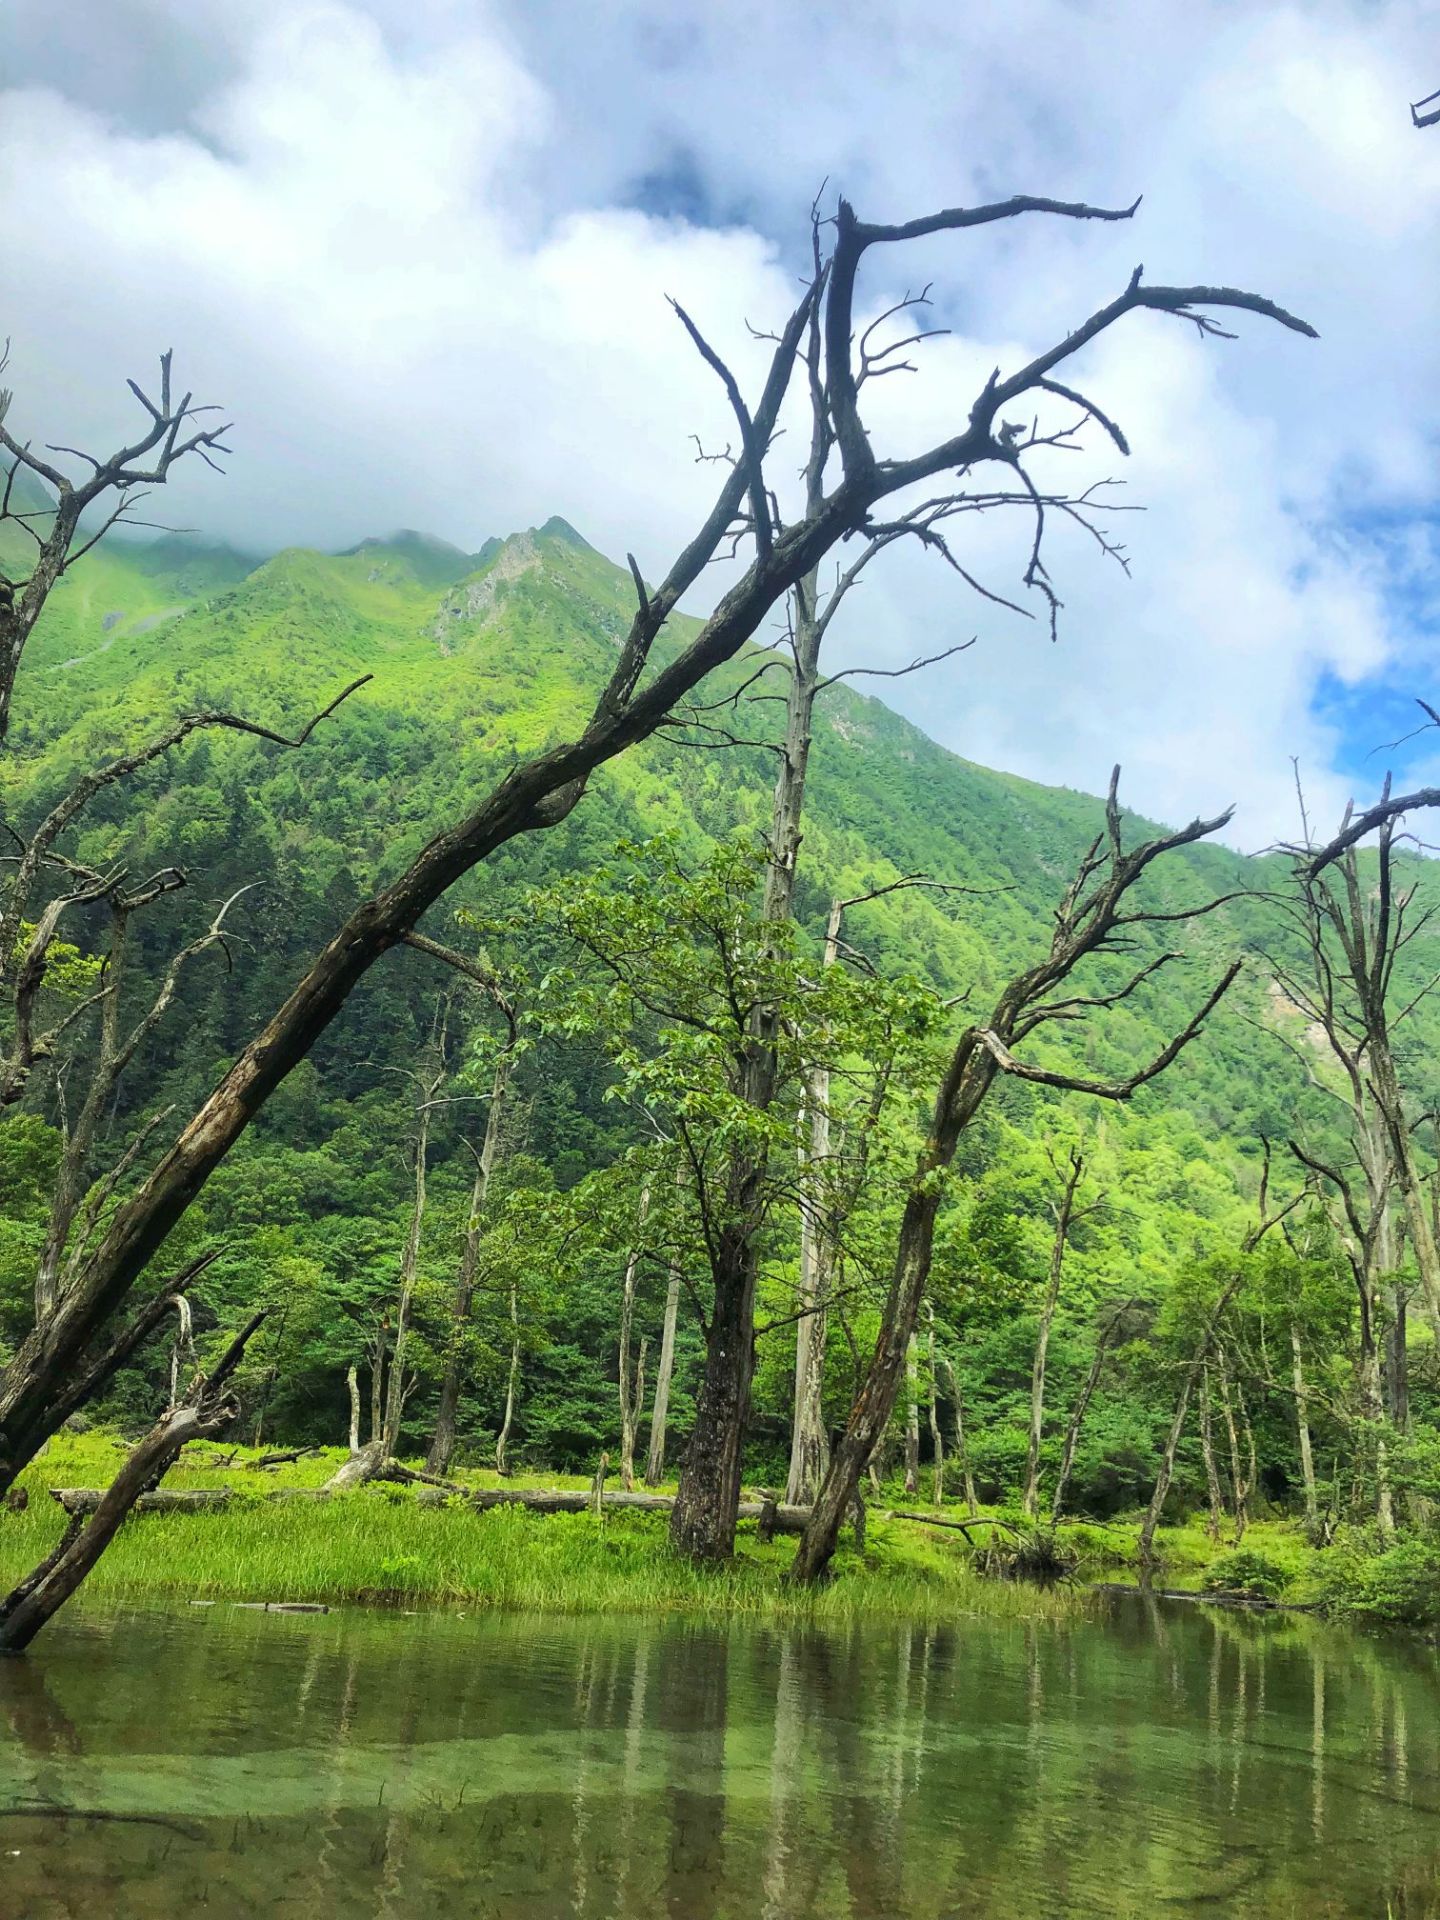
(603, 953)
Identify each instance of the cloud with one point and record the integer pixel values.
(421, 252)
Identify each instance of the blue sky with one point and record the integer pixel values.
(421, 249)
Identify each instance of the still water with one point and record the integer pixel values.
(1144, 1760)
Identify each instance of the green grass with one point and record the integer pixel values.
(379, 1544)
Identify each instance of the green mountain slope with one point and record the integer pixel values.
(476, 658)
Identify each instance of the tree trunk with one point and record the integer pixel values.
(534, 795)
(1207, 1448)
(912, 1418)
(359, 1468)
(664, 1371)
(1077, 1417)
(1063, 1216)
(352, 1382)
(1187, 1387)
(377, 1387)
(937, 1442)
(962, 1445)
(502, 1438)
(1397, 1360)
(703, 1522)
(409, 1265)
(1239, 1483)
(44, 1591)
(631, 1379)
(884, 1377)
(1167, 1464)
(809, 1441)
(442, 1443)
(1302, 1425)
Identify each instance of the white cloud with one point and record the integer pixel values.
(409, 247)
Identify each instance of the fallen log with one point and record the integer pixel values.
(433, 1493)
(281, 1459)
(368, 1464)
(175, 1499)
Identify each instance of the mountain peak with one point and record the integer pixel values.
(557, 529)
(432, 561)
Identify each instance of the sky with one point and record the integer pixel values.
(420, 250)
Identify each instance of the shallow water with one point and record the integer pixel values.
(1143, 1761)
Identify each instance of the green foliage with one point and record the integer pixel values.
(1247, 1573)
(477, 658)
(1399, 1585)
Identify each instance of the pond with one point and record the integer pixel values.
(1142, 1760)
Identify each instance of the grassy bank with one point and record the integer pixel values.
(379, 1545)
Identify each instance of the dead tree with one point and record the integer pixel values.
(207, 1409)
(1242, 1468)
(1353, 934)
(427, 1084)
(442, 1442)
(937, 1439)
(116, 485)
(1267, 1217)
(828, 1195)
(1302, 1426)
(631, 1378)
(665, 1366)
(1103, 1343)
(512, 1385)
(541, 790)
(962, 1446)
(1360, 1212)
(1215, 1497)
(1094, 916)
(1066, 1215)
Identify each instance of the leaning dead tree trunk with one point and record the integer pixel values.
(542, 790)
(352, 1385)
(208, 1407)
(962, 1445)
(1267, 1219)
(1078, 1412)
(1064, 1220)
(1094, 912)
(632, 1379)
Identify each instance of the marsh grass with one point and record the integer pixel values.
(379, 1545)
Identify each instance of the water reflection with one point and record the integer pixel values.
(1137, 1762)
